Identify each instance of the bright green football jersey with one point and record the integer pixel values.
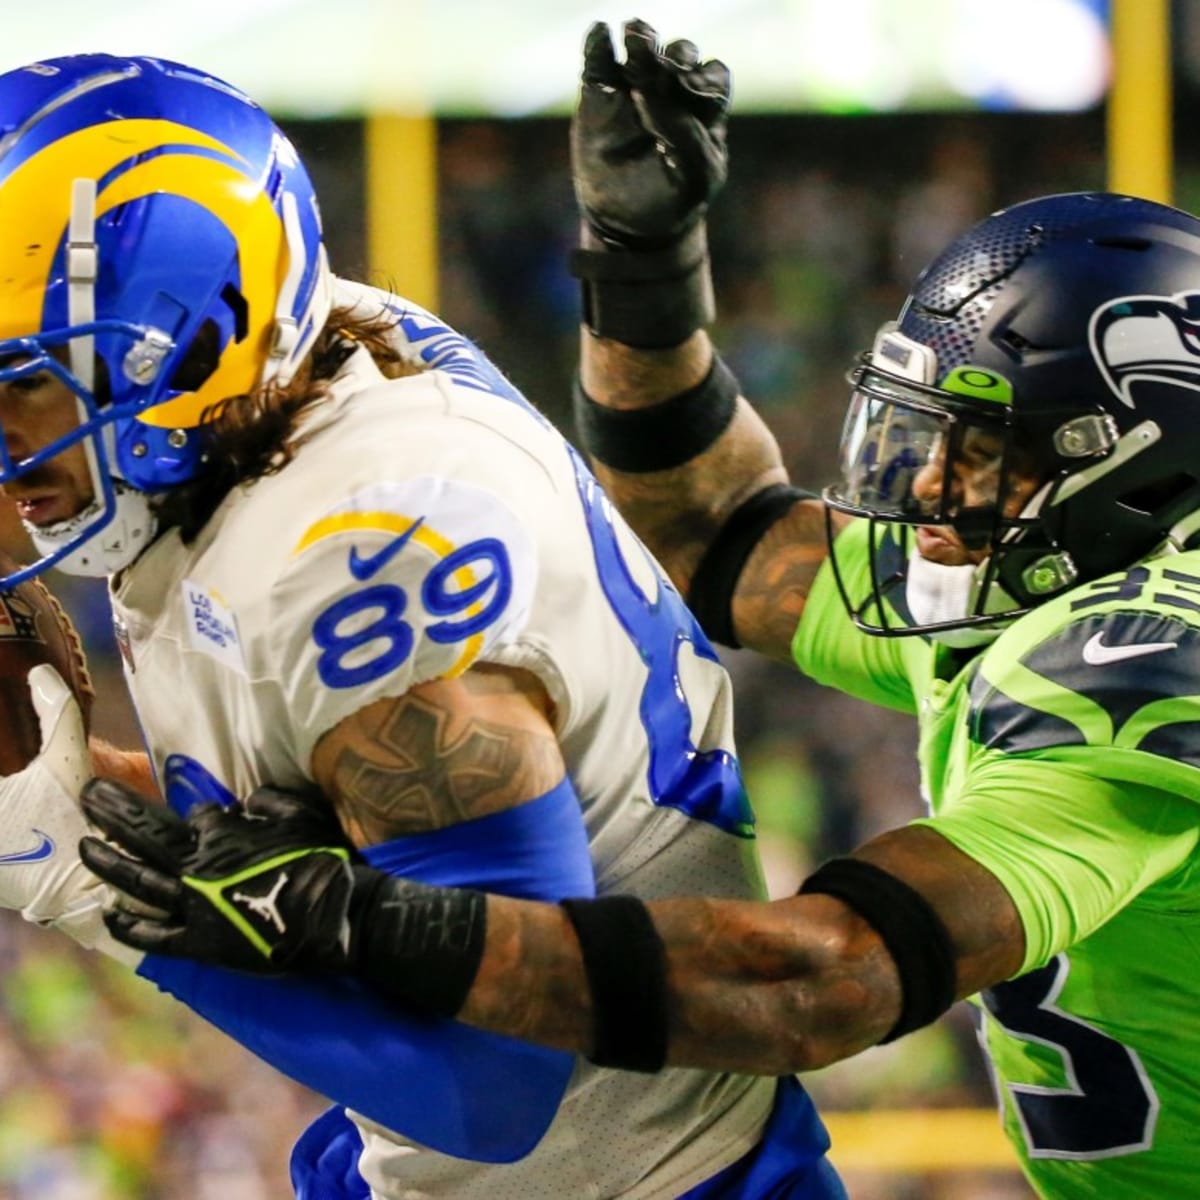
(1065, 758)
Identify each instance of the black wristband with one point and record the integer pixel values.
(649, 299)
(415, 943)
(710, 592)
(911, 931)
(664, 435)
(626, 969)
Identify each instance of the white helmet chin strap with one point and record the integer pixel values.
(111, 549)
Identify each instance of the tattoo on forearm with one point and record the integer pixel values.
(679, 511)
(768, 989)
(775, 989)
(530, 984)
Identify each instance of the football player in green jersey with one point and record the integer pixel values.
(1008, 555)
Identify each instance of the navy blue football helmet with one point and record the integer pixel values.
(1058, 341)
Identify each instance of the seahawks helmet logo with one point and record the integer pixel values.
(1147, 338)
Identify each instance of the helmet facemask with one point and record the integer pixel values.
(117, 523)
(939, 472)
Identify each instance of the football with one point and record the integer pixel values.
(34, 629)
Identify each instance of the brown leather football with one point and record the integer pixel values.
(34, 629)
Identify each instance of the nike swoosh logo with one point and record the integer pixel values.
(1097, 654)
(363, 568)
(43, 849)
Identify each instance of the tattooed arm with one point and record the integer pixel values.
(678, 512)
(751, 986)
(767, 988)
(447, 751)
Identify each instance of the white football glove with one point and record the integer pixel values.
(41, 874)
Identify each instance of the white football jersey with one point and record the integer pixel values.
(428, 524)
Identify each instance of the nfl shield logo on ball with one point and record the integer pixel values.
(16, 618)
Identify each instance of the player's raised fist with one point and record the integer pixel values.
(648, 144)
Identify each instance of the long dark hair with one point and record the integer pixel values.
(252, 435)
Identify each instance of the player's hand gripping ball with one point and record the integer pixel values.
(34, 629)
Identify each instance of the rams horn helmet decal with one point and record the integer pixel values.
(160, 252)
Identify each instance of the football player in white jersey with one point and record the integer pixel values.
(347, 558)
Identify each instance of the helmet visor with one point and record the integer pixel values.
(911, 454)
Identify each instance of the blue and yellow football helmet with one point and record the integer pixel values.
(160, 252)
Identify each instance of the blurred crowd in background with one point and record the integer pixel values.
(110, 1091)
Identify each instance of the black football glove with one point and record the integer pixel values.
(648, 146)
(269, 884)
(260, 886)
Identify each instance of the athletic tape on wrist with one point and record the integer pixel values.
(649, 299)
(626, 968)
(909, 928)
(710, 593)
(416, 943)
(664, 435)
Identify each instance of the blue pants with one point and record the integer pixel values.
(789, 1162)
